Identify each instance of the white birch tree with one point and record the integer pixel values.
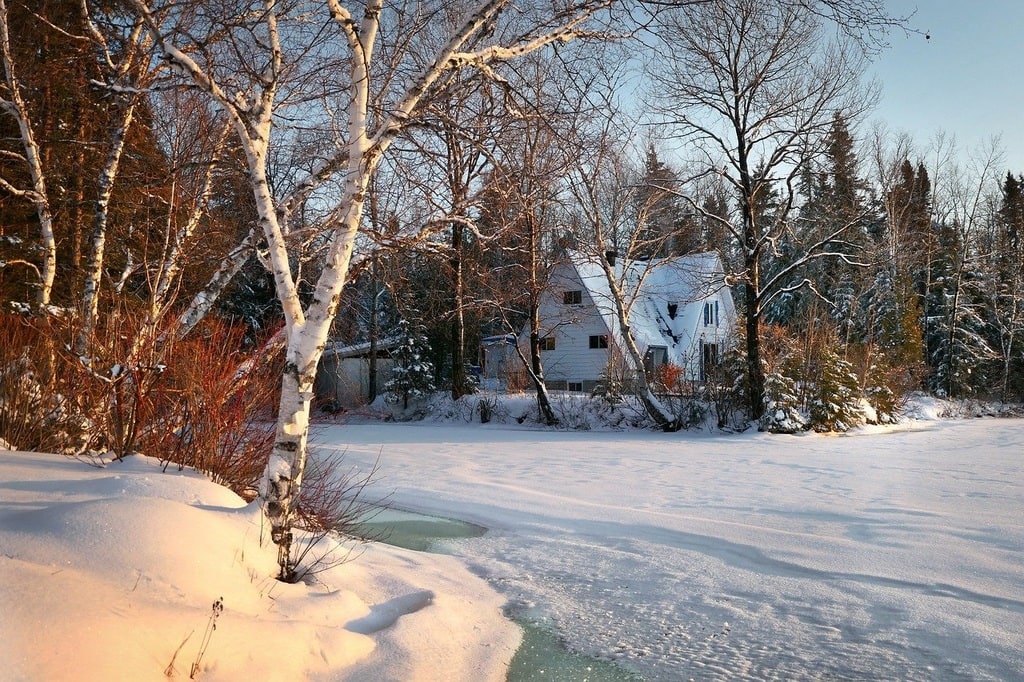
(128, 70)
(12, 102)
(373, 93)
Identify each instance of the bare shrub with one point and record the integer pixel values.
(332, 502)
(670, 377)
(203, 402)
(216, 408)
(516, 380)
(116, 380)
(36, 390)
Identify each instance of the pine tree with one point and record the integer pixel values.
(75, 123)
(665, 227)
(782, 413)
(1005, 290)
(835, 402)
(412, 377)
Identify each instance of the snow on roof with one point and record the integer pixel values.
(650, 287)
(355, 350)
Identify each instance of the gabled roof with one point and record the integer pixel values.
(650, 287)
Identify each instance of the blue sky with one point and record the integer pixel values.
(967, 79)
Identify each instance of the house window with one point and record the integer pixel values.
(575, 386)
(599, 341)
(547, 343)
(711, 313)
(708, 360)
(572, 297)
(655, 357)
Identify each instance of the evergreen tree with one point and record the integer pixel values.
(412, 377)
(782, 413)
(665, 225)
(1010, 225)
(835, 404)
(1004, 291)
(75, 122)
(910, 253)
(712, 219)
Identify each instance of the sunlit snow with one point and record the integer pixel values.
(894, 554)
(890, 555)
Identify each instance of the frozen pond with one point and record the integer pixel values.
(893, 555)
(418, 532)
(541, 656)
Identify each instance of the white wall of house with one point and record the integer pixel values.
(683, 336)
(571, 325)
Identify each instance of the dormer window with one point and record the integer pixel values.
(572, 297)
(711, 313)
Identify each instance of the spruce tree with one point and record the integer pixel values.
(1005, 291)
(666, 231)
(835, 402)
(412, 377)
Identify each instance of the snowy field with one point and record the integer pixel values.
(889, 555)
(895, 555)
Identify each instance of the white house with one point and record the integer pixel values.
(682, 313)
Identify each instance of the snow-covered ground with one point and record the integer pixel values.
(111, 574)
(889, 555)
(885, 555)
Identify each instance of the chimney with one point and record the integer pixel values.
(610, 256)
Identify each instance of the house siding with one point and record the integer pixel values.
(572, 325)
(345, 382)
(682, 335)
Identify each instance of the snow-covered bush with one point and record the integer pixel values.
(487, 407)
(725, 388)
(782, 413)
(884, 403)
(614, 381)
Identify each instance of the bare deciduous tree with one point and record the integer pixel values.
(12, 102)
(613, 208)
(752, 88)
(371, 71)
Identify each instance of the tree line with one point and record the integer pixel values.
(314, 168)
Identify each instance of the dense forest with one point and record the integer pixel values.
(195, 196)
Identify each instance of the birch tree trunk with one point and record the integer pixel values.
(16, 107)
(89, 305)
(353, 162)
(656, 410)
(203, 301)
(606, 187)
